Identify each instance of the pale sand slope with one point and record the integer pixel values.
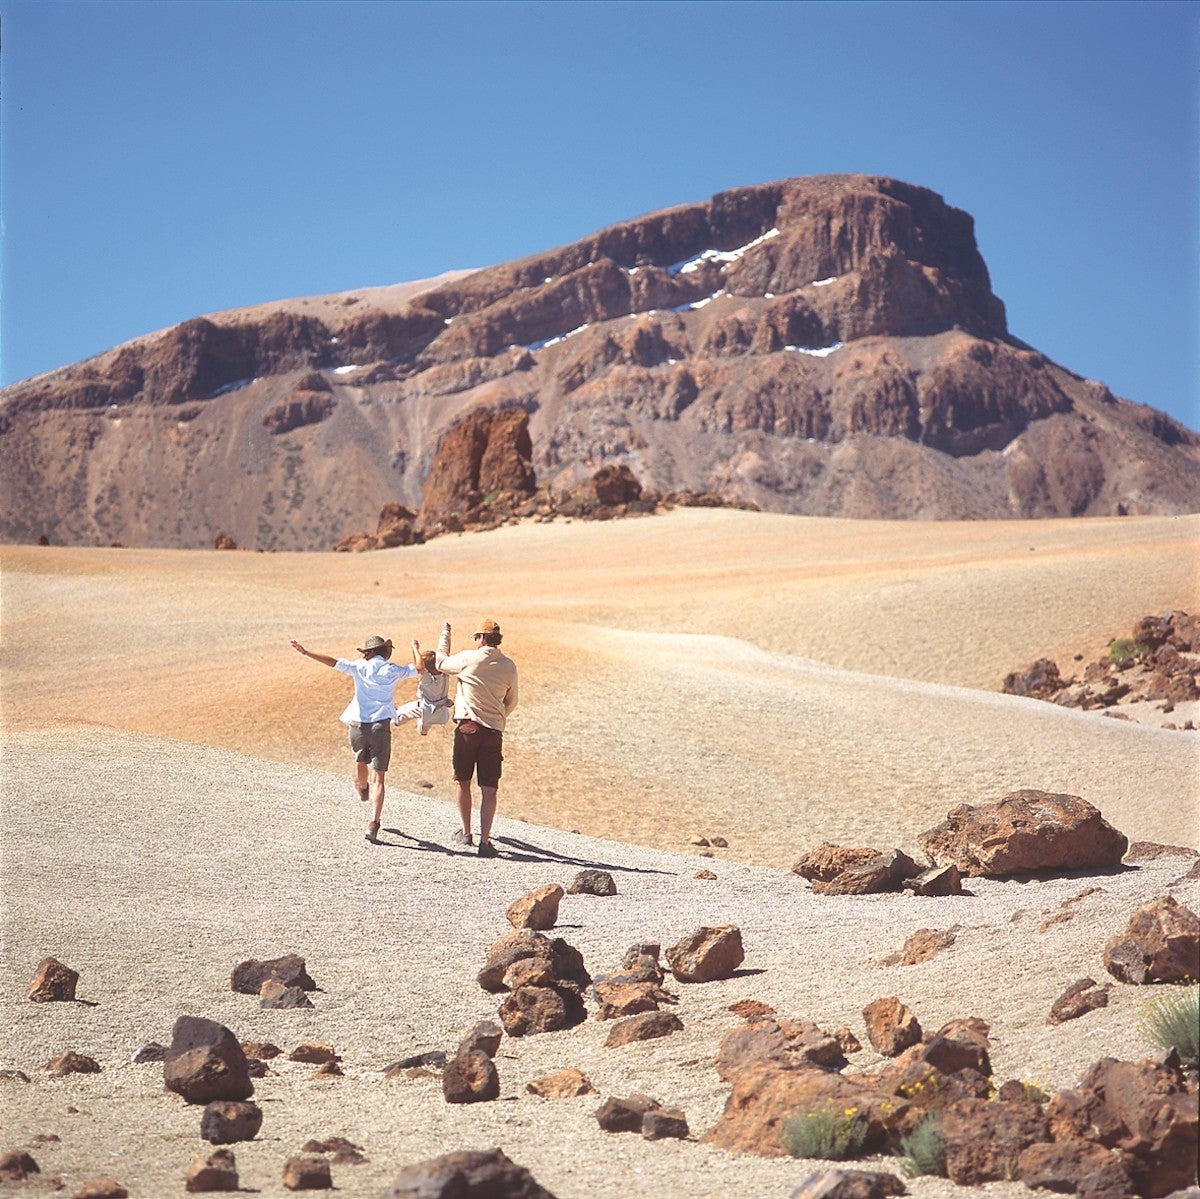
(155, 866)
(676, 672)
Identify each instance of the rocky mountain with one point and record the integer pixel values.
(825, 345)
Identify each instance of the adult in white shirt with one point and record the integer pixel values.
(369, 716)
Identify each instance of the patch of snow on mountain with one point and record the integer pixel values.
(553, 341)
(822, 352)
(825, 282)
(694, 264)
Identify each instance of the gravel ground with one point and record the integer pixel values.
(157, 866)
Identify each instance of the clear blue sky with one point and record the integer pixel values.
(163, 160)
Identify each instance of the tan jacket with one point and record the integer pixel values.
(487, 682)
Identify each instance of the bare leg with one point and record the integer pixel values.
(487, 812)
(377, 777)
(360, 779)
(464, 804)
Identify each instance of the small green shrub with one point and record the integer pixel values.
(826, 1133)
(1173, 1022)
(1126, 647)
(923, 1150)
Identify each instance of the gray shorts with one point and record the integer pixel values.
(372, 743)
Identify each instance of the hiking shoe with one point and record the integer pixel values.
(373, 832)
(487, 850)
(461, 839)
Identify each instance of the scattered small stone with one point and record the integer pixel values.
(566, 1084)
(425, 785)
(718, 843)
(485, 1036)
(328, 1070)
(101, 1188)
(940, 880)
(848, 1041)
(212, 1172)
(227, 1121)
(537, 910)
(307, 1174)
(13, 1076)
(665, 1123)
(647, 1026)
(704, 874)
(53, 982)
(470, 1077)
(1077, 1000)
(625, 1114)
(592, 882)
(707, 954)
(151, 1051)
(703, 842)
(751, 1009)
(313, 1052)
(257, 1068)
(16, 1165)
(72, 1063)
(275, 995)
(344, 1152)
(248, 977)
(263, 1050)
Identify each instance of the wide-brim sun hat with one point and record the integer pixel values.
(374, 643)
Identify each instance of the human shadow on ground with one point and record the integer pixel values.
(515, 851)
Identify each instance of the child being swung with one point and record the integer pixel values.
(433, 703)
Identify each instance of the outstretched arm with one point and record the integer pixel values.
(416, 652)
(324, 659)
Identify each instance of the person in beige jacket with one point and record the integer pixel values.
(485, 698)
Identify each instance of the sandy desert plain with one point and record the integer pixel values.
(177, 799)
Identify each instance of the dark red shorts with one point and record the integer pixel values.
(478, 750)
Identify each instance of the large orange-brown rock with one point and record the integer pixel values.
(1025, 832)
(706, 954)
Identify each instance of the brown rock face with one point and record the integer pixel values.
(891, 1026)
(827, 346)
(1024, 832)
(538, 909)
(1160, 944)
(470, 1077)
(249, 976)
(784, 1044)
(984, 1141)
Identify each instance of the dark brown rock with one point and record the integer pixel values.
(751, 1009)
(849, 1184)
(646, 1026)
(275, 995)
(827, 861)
(618, 999)
(212, 1172)
(303, 1173)
(940, 880)
(466, 1175)
(53, 982)
(1040, 681)
(528, 1010)
(626, 1114)
(249, 976)
(1161, 943)
(205, 1062)
(485, 1037)
(103, 1187)
(592, 882)
(884, 872)
(227, 1121)
(470, 1077)
(16, 1165)
(73, 1063)
(665, 1123)
(983, 1141)
(1074, 1167)
(1077, 1000)
(313, 1052)
(562, 960)
(1143, 1109)
(1024, 832)
(707, 954)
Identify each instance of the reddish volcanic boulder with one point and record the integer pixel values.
(205, 1062)
(1026, 831)
(1160, 944)
(827, 861)
(783, 1044)
(708, 953)
(1040, 681)
(470, 1174)
(891, 1026)
(53, 982)
(983, 1141)
(537, 910)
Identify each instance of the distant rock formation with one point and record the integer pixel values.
(826, 346)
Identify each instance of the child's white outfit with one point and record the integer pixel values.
(432, 705)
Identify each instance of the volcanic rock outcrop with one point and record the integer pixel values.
(828, 346)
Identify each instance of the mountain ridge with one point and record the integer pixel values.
(826, 346)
